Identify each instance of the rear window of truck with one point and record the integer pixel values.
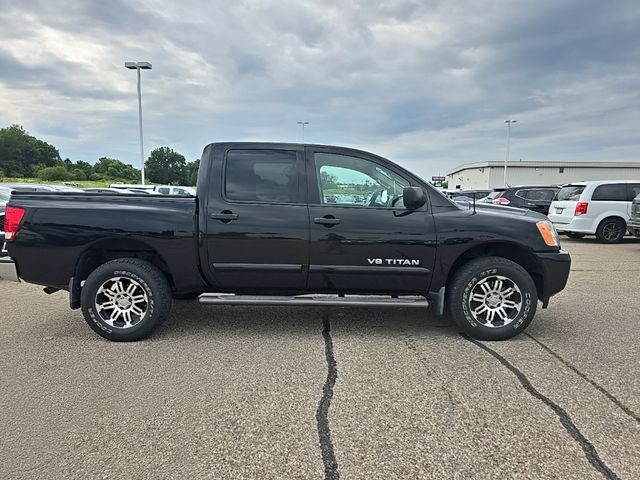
(570, 192)
(268, 176)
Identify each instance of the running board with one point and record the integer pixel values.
(314, 300)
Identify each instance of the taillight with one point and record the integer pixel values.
(12, 218)
(581, 208)
(501, 201)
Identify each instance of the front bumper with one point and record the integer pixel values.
(555, 270)
(8, 270)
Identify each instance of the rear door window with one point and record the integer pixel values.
(268, 176)
(613, 192)
(541, 195)
(570, 193)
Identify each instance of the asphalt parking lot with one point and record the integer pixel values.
(245, 392)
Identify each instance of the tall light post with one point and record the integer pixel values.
(506, 158)
(303, 124)
(139, 66)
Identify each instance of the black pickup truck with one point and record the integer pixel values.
(286, 224)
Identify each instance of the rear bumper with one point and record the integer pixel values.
(8, 270)
(555, 267)
(576, 224)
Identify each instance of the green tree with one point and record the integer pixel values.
(21, 152)
(115, 169)
(329, 180)
(191, 173)
(85, 167)
(58, 172)
(77, 174)
(165, 166)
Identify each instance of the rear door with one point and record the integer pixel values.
(609, 199)
(363, 240)
(257, 231)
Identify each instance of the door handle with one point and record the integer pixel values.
(225, 216)
(326, 220)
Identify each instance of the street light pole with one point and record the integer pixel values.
(139, 66)
(506, 158)
(303, 124)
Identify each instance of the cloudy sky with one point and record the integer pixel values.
(425, 83)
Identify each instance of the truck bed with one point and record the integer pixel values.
(60, 230)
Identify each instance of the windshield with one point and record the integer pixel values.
(570, 192)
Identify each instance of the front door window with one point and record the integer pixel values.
(353, 181)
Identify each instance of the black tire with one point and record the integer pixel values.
(148, 282)
(574, 235)
(611, 230)
(484, 270)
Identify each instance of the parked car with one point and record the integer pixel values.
(261, 232)
(131, 186)
(600, 208)
(30, 187)
(532, 197)
(634, 220)
(66, 188)
(468, 195)
(144, 191)
(175, 190)
(107, 190)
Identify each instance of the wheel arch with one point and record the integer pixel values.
(611, 216)
(511, 251)
(108, 249)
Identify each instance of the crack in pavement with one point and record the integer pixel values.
(322, 414)
(598, 387)
(589, 450)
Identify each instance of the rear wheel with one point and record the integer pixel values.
(125, 299)
(611, 230)
(574, 235)
(492, 298)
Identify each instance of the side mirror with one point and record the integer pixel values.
(413, 197)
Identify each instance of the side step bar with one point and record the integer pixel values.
(314, 300)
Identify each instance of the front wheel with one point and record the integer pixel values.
(125, 299)
(492, 298)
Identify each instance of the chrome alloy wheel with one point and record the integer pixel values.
(121, 302)
(495, 301)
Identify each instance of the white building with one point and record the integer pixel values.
(491, 174)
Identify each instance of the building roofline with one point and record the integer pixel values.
(549, 164)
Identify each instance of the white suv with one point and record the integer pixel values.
(600, 207)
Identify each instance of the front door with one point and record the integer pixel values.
(257, 221)
(363, 240)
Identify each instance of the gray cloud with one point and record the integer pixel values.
(426, 83)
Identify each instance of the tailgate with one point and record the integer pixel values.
(562, 211)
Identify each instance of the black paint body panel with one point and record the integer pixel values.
(276, 248)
